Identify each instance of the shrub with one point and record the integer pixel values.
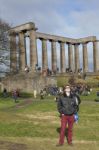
(72, 80)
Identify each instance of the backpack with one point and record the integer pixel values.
(78, 101)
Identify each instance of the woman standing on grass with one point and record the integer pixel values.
(67, 108)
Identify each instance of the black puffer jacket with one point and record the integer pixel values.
(66, 105)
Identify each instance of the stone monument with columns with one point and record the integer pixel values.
(18, 53)
(29, 30)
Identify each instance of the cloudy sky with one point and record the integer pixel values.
(69, 18)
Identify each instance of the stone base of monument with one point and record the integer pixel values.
(27, 82)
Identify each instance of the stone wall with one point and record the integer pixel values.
(27, 82)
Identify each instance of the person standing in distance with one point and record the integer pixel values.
(66, 107)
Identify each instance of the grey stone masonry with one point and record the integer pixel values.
(95, 57)
(24, 27)
(85, 58)
(54, 57)
(33, 50)
(76, 48)
(44, 54)
(22, 52)
(29, 30)
(62, 57)
(65, 39)
(70, 56)
(13, 56)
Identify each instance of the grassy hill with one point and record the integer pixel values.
(93, 81)
(33, 124)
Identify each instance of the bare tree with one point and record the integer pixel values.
(4, 46)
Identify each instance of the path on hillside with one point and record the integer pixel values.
(24, 103)
(51, 143)
(27, 102)
(6, 145)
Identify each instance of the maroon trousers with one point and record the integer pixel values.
(65, 119)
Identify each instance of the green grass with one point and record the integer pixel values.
(92, 96)
(36, 125)
(61, 81)
(90, 80)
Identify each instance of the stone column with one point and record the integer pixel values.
(22, 52)
(44, 54)
(62, 57)
(70, 56)
(76, 50)
(54, 57)
(33, 50)
(95, 57)
(13, 53)
(85, 58)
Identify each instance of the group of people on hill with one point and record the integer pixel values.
(15, 94)
(80, 89)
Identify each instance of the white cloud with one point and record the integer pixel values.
(66, 17)
(87, 22)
